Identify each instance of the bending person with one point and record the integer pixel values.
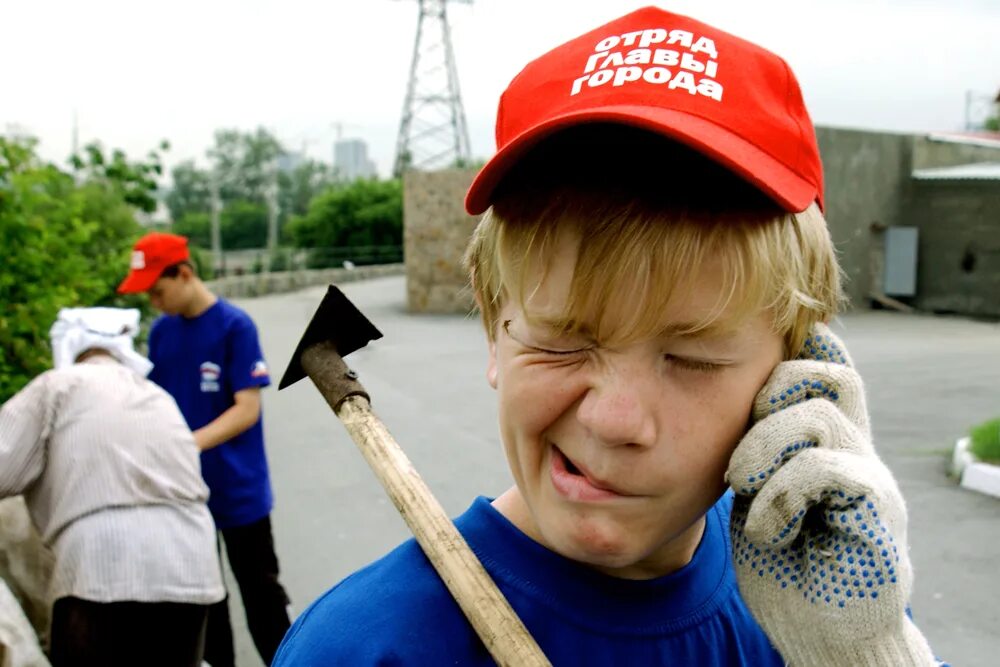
(111, 477)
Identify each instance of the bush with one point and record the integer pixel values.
(202, 261)
(362, 214)
(196, 226)
(280, 260)
(67, 244)
(258, 264)
(985, 443)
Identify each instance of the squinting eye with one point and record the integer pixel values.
(542, 350)
(559, 353)
(694, 364)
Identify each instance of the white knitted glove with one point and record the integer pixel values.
(819, 525)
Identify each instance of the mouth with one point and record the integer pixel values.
(576, 483)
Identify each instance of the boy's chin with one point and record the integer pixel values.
(607, 550)
(624, 564)
(623, 549)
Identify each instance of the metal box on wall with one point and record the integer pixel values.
(900, 276)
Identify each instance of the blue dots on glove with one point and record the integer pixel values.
(846, 557)
(803, 391)
(823, 348)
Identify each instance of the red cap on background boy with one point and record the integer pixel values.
(726, 98)
(151, 254)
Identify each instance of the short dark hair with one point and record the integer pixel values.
(172, 270)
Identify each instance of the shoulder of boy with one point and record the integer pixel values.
(396, 594)
(239, 320)
(158, 323)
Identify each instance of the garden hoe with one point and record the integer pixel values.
(337, 329)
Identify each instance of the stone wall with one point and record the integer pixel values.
(259, 284)
(436, 230)
(26, 566)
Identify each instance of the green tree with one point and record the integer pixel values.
(243, 225)
(134, 182)
(68, 244)
(364, 213)
(243, 162)
(196, 226)
(299, 186)
(191, 191)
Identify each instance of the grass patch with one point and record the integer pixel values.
(985, 443)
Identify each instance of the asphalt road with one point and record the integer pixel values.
(928, 380)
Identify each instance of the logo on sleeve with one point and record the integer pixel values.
(210, 376)
(259, 369)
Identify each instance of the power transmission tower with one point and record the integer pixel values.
(432, 132)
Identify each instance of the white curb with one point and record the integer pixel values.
(961, 457)
(975, 475)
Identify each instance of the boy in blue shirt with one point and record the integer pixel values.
(653, 272)
(206, 354)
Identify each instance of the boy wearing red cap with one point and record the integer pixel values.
(654, 272)
(207, 355)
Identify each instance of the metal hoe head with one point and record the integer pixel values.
(338, 321)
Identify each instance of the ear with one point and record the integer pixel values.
(491, 365)
(185, 272)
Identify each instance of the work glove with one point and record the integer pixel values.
(819, 525)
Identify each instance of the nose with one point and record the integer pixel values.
(619, 406)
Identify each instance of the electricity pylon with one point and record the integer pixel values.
(432, 132)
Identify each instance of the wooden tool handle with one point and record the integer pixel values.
(491, 616)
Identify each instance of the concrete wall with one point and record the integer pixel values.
(867, 174)
(958, 267)
(868, 187)
(934, 152)
(436, 230)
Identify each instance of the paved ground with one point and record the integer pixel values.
(928, 379)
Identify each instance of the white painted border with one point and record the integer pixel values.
(961, 457)
(974, 475)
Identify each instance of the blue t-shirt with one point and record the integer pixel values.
(398, 612)
(202, 362)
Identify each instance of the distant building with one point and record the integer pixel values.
(351, 161)
(289, 162)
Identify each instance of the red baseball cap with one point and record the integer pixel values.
(151, 254)
(721, 95)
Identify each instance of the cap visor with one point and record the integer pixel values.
(137, 281)
(788, 189)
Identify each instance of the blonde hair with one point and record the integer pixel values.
(648, 244)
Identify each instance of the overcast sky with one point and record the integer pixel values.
(137, 71)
